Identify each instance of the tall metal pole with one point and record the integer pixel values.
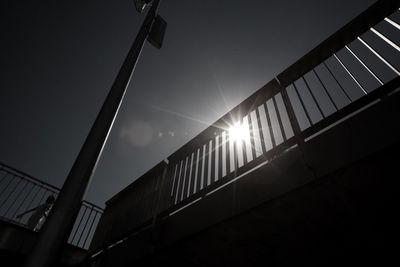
(54, 235)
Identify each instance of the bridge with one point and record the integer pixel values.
(302, 171)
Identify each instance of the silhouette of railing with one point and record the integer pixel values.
(354, 68)
(20, 192)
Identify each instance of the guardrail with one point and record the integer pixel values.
(354, 68)
(20, 193)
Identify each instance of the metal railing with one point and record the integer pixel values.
(20, 192)
(337, 78)
(354, 68)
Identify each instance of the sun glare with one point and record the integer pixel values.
(239, 132)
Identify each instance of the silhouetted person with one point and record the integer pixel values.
(37, 219)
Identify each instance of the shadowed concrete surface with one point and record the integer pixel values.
(16, 242)
(341, 211)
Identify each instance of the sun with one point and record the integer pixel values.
(239, 132)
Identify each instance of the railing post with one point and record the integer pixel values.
(160, 195)
(296, 127)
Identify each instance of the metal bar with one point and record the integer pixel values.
(173, 180)
(185, 177)
(4, 189)
(220, 146)
(15, 199)
(23, 200)
(228, 153)
(4, 176)
(302, 104)
(34, 197)
(313, 97)
(351, 75)
(364, 65)
(191, 177)
(254, 163)
(260, 131)
(337, 81)
(44, 194)
(356, 105)
(379, 56)
(325, 89)
(278, 115)
(200, 169)
(90, 229)
(292, 117)
(387, 40)
(251, 133)
(235, 155)
(393, 23)
(358, 26)
(10, 193)
(196, 171)
(206, 161)
(84, 227)
(213, 156)
(271, 132)
(79, 224)
(178, 183)
(243, 142)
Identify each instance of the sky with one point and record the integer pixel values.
(58, 61)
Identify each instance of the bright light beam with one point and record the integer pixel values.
(239, 132)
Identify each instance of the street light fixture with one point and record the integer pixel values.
(60, 221)
(140, 5)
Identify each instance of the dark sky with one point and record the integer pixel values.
(58, 60)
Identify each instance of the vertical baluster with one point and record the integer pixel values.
(15, 199)
(220, 146)
(11, 192)
(33, 199)
(337, 82)
(84, 227)
(90, 229)
(228, 153)
(79, 224)
(4, 177)
(185, 177)
(23, 200)
(271, 132)
(206, 162)
(5, 188)
(174, 180)
(251, 133)
(196, 173)
(387, 40)
(313, 97)
(302, 104)
(364, 65)
(243, 140)
(325, 89)
(351, 74)
(191, 175)
(213, 156)
(278, 115)
(178, 182)
(200, 169)
(394, 24)
(379, 56)
(260, 131)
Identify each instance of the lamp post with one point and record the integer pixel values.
(58, 226)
